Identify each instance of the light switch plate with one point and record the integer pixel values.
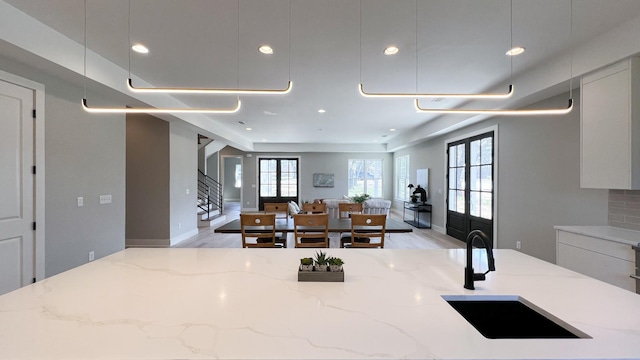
(105, 199)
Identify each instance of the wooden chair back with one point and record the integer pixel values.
(314, 208)
(346, 209)
(281, 210)
(311, 230)
(258, 230)
(367, 230)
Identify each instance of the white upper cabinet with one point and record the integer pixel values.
(610, 127)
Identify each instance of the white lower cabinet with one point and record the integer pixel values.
(602, 259)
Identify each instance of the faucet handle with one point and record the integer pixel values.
(479, 276)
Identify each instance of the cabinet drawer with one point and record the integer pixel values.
(602, 267)
(601, 246)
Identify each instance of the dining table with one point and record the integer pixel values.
(335, 225)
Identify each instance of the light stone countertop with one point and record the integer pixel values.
(248, 304)
(611, 233)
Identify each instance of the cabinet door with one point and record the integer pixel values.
(606, 131)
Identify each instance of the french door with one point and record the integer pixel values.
(470, 179)
(278, 179)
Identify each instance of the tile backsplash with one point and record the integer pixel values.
(624, 209)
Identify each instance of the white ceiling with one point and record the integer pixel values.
(327, 47)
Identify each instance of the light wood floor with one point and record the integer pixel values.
(418, 239)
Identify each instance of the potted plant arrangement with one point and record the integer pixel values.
(306, 264)
(360, 198)
(322, 268)
(321, 263)
(335, 264)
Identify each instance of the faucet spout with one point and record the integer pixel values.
(469, 275)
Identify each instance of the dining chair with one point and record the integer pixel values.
(258, 230)
(346, 209)
(314, 208)
(367, 231)
(311, 230)
(280, 209)
(344, 212)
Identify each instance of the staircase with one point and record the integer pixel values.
(210, 211)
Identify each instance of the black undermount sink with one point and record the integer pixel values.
(511, 317)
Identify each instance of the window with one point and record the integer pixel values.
(365, 177)
(238, 175)
(402, 178)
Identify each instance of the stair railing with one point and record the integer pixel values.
(209, 194)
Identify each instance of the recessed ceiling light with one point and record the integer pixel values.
(515, 51)
(391, 50)
(392, 129)
(139, 48)
(266, 49)
(322, 111)
(248, 129)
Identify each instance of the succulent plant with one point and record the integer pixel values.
(306, 261)
(335, 261)
(321, 258)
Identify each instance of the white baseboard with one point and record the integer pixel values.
(182, 237)
(146, 243)
(439, 229)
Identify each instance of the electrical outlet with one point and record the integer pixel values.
(105, 199)
(518, 245)
(91, 255)
(179, 225)
(80, 201)
(188, 191)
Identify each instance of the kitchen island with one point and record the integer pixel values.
(248, 304)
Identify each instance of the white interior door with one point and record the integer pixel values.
(16, 187)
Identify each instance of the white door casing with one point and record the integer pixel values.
(17, 250)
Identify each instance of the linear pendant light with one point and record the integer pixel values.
(561, 111)
(128, 110)
(221, 91)
(167, 90)
(104, 110)
(524, 112)
(414, 95)
(445, 96)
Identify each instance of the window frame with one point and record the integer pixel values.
(376, 180)
(403, 180)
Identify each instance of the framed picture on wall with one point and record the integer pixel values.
(322, 180)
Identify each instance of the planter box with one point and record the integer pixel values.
(321, 276)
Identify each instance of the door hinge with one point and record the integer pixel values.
(34, 225)
(34, 113)
(33, 169)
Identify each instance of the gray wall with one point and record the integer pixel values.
(162, 164)
(147, 178)
(538, 179)
(212, 166)
(84, 156)
(183, 181)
